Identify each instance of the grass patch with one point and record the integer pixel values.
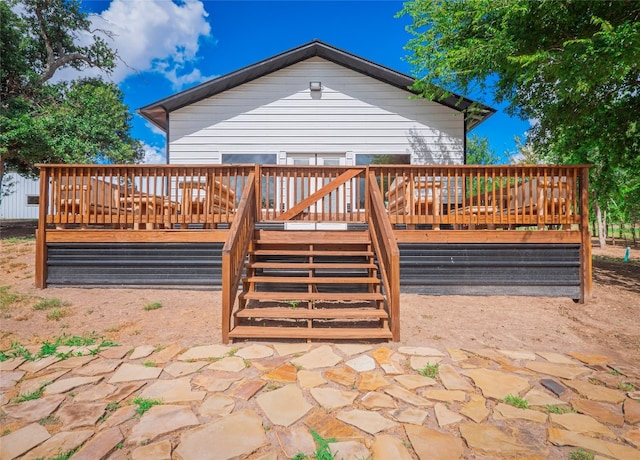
(149, 364)
(30, 396)
(51, 348)
(152, 306)
(516, 401)
(50, 420)
(57, 314)
(49, 304)
(144, 404)
(626, 386)
(558, 409)
(112, 406)
(430, 370)
(323, 452)
(580, 454)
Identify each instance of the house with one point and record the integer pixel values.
(20, 197)
(313, 188)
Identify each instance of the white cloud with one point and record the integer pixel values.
(152, 36)
(154, 129)
(154, 155)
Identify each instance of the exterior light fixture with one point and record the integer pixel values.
(315, 86)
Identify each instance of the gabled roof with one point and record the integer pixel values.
(157, 112)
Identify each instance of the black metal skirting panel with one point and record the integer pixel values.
(135, 264)
(491, 269)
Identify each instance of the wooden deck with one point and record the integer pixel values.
(83, 206)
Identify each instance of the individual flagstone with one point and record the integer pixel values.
(475, 408)
(518, 355)
(204, 352)
(368, 421)
(392, 369)
(536, 397)
(118, 352)
(350, 349)
(79, 415)
(386, 446)
(488, 353)
(632, 437)
(98, 367)
(296, 441)
(602, 412)
(255, 352)
(349, 450)
(100, 445)
(119, 416)
(497, 384)
(217, 405)
(95, 392)
(285, 349)
(216, 381)
(310, 379)
(268, 364)
(411, 415)
(430, 444)
(34, 384)
(285, 373)
(561, 437)
(445, 416)
(420, 351)
(407, 396)
(180, 368)
(229, 364)
(39, 364)
(155, 451)
(457, 355)
(124, 390)
(245, 390)
(590, 358)
(132, 372)
(504, 411)
(329, 427)
(234, 436)
(11, 364)
(342, 375)
(554, 387)
(557, 358)
(558, 370)
(382, 355)
(451, 380)
(172, 391)
(34, 410)
(63, 441)
(332, 398)
(161, 420)
(596, 392)
(21, 441)
(632, 411)
(490, 440)
(371, 381)
(64, 385)
(284, 406)
(362, 363)
(8, 380)
(374, 400)
(166, 354)
(322, 356)
(142, 352)
(445, 395)
(74, 362)
(418, 362)
(413, 381)
(580, 423)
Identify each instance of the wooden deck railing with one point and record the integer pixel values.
(388, 254)
(235, 250)
(186, 197)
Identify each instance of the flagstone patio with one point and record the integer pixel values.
(263, 401)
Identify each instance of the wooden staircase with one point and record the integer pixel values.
(313, 285)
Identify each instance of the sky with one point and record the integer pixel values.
(168, 46)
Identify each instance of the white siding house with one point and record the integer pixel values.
(270, 112)
(21, 199)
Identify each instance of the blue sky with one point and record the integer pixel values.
(168, 46)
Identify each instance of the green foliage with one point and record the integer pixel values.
(580, 454)
(559, 409)
(37, 394)
(153, 306)
(516, 401)
(479, 152)
(144, 404)
(571, 66)
(430, 370)
(323, 452)
(80, 121)
(51, 348)
(48, 304)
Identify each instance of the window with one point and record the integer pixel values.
(363, 159)
(250, 158)
(33, 200)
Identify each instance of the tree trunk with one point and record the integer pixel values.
(602, 228)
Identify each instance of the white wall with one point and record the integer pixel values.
(15, 205)
(278, 113)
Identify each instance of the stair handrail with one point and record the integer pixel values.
(387, 252)
(235, 250)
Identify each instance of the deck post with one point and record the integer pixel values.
(41, 232)
(586, 263)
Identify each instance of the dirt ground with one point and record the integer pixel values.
(608, 324)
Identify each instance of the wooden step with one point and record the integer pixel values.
(316, 296)
(315, 236)
(309, 253)
(315, 313)
(311, 280)
(312, 265)
(259, 332)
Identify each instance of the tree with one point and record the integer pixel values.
(479, 152)
(573, 66)
(66, 122)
